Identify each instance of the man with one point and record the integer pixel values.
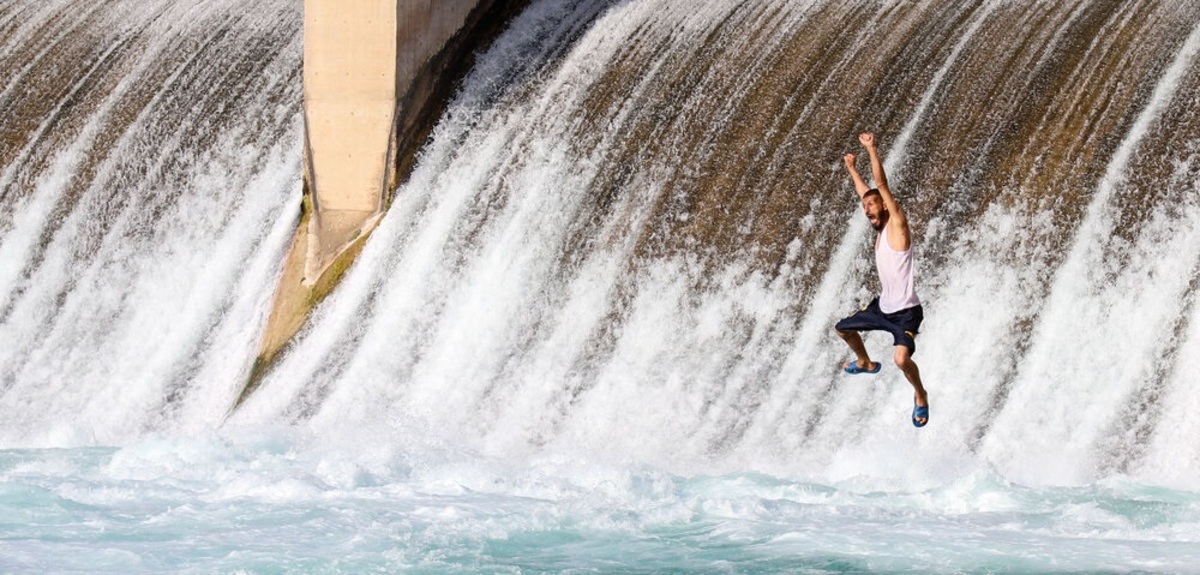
(897, 310)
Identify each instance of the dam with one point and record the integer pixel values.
(375, 73)
(540, 261)
(585, 320)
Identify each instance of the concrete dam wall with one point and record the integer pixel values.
(377, 74)
(362, 59)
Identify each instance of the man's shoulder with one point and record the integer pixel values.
(899, 237)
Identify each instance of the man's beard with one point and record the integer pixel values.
(883, 218)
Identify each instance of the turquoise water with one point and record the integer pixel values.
(278, 505)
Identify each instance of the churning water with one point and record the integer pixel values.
(272, 506)
(593, 332)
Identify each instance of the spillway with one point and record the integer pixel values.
(626, 241)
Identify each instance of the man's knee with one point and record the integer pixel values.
(902, 357)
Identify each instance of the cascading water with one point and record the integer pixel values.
(150, 168)
(587, 259)
(600, 307)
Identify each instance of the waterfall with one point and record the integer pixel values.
(629, 237)
(149, 178)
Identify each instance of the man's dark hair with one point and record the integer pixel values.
(872, 192)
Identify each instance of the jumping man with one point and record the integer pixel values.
(897, 309)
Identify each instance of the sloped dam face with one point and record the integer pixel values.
(631, 233)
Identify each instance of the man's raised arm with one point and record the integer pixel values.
(896, 217)
(859, 185)
(867, 139)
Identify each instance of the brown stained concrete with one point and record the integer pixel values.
(377, 75)
(290, 308)
(295, 298)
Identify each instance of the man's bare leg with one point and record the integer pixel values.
(906, 364)
(860, 350)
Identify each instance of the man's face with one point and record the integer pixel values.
(876, 213)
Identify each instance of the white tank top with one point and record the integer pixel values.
(896, 276)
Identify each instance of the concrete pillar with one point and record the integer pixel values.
(350, 56)
(376, 75)
(360, 56)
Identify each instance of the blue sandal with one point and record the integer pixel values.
(921, 411)
(852, 368)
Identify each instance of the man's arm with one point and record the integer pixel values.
(897, 227)
(859, 185)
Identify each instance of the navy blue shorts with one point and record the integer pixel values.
(904, 325)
